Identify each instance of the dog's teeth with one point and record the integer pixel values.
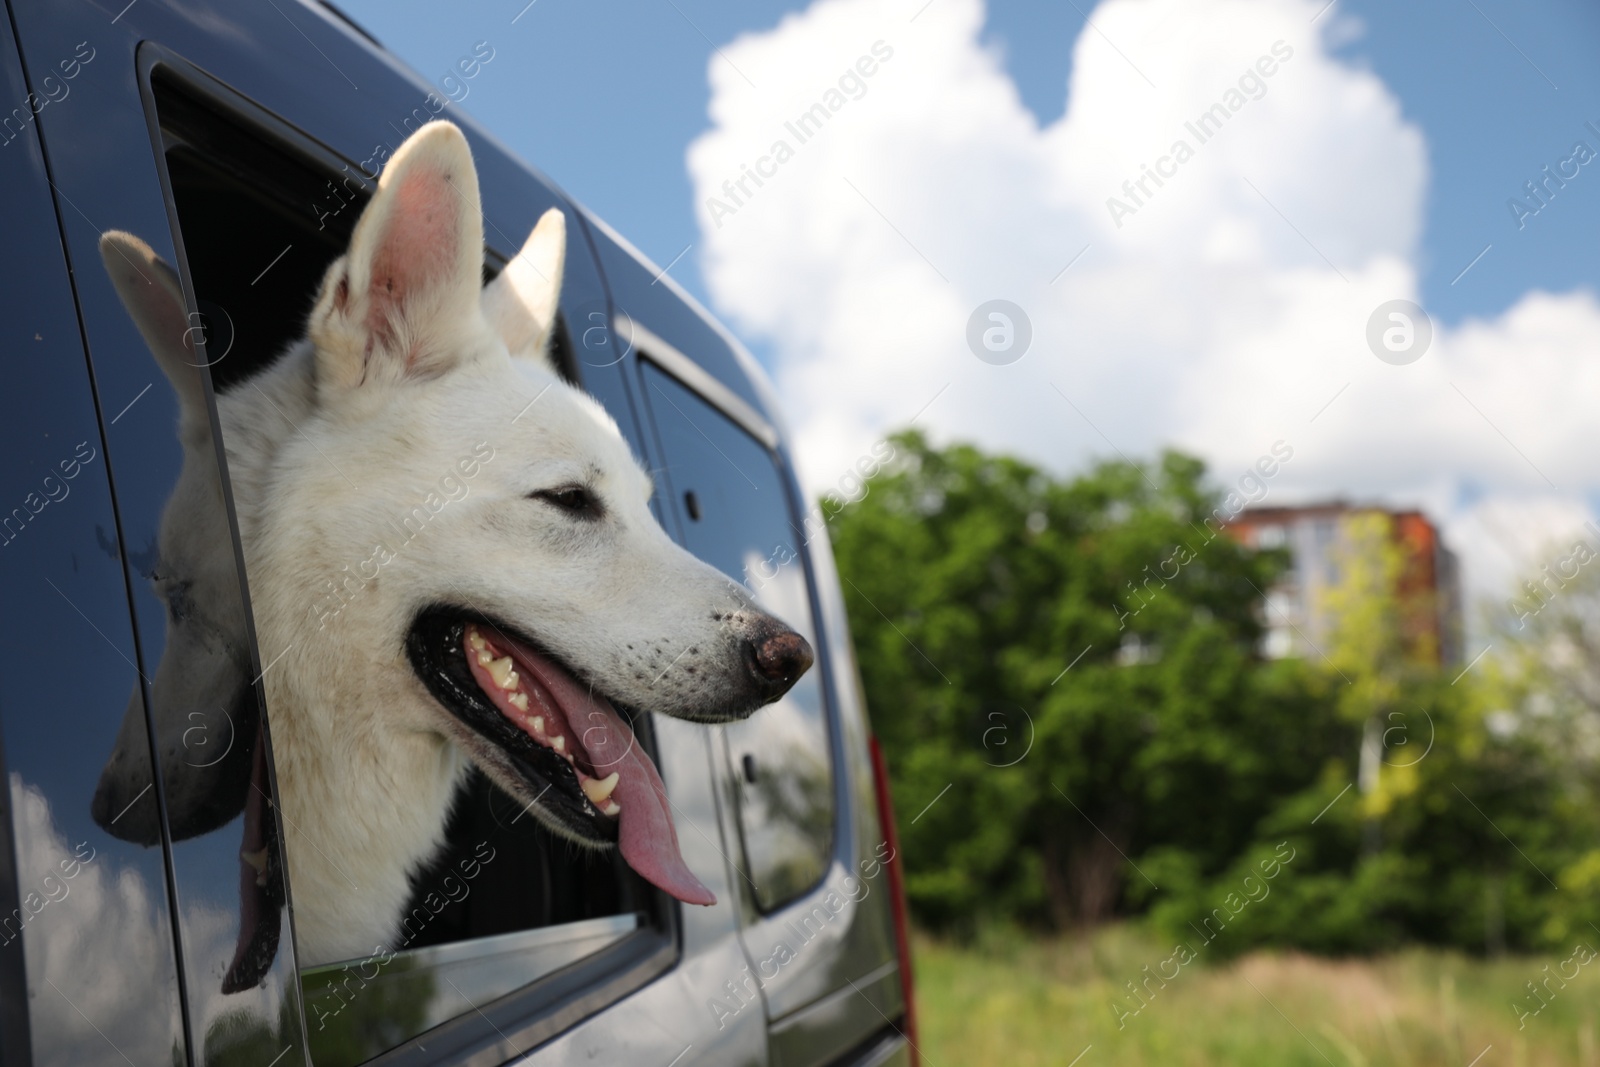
(258, 859)
(475, 639)
(599, 790)
(484, 659)
(560, 743)
(519, 701)
(538, 724)
(502, 672)
(612, 808)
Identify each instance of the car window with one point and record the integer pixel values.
(81, 909)
(504, 902)
(736, 515)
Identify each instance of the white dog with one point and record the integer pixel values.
(451, 557)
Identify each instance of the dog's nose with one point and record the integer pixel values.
(783, 657)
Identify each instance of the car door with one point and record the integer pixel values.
(209, 796)
(821, 962)
(200, 168)
(84, 915)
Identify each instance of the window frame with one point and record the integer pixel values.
(511, 1024)
(803, 1009)
(663, 356)
(695, 378)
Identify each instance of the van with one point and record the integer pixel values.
(240, 141)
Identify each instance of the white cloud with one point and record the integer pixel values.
(91, 918)
(1220, 316)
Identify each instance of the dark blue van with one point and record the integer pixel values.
(230, 136)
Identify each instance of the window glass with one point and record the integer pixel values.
(503, 902)
(736, 516)
(83, 914)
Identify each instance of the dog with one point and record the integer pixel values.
(451, 561)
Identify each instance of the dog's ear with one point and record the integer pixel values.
(403, 301)
(153, 296)
(521, 303)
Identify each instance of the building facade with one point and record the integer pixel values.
(1320, 539)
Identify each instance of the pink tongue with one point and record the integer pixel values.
(648, 840)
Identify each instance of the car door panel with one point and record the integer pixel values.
(857, 937)
(196, 654)
(90, 915)
(298, 62)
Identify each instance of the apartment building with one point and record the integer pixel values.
(1319, 539)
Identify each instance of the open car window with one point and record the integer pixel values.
(504, 903)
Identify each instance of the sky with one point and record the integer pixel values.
(1223, 311)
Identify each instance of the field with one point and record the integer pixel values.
(1018, 1002)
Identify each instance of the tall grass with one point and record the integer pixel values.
(1015, 1002)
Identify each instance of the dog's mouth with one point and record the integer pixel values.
(555, 742)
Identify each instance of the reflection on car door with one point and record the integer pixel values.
(88, 910)
(195, 651)
(804, 888)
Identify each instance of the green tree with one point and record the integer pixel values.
(1547, 684)
(1105, 626)
(1369, 652)
(1465, 817)
(1065, 678)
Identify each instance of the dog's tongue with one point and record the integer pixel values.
(648, 840)
(646, 835)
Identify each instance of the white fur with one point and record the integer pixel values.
(410, 369)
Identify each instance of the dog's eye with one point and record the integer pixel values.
(575, 500)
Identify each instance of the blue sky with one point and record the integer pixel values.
(1205, 324)
(605, 97)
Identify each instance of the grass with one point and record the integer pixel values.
(1025, 1002)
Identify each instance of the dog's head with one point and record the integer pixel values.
(454, 541)
(200, 689)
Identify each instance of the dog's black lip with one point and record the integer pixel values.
(434, 645)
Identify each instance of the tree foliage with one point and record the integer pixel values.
(1066, 680)
(1101, 626)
